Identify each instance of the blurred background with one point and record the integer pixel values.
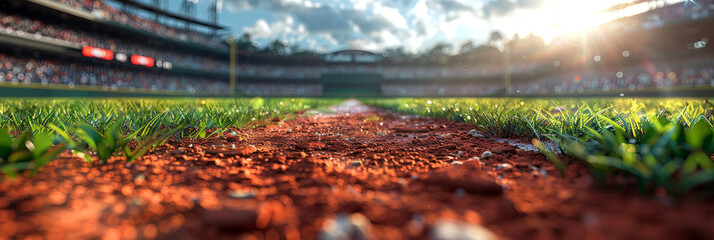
(418, 48)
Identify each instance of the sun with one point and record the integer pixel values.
(562, 17)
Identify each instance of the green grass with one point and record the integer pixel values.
(658, 143)
(661, 143)
(100, 129)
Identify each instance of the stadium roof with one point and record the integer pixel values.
(354, 52)
(353, 56)
(169, 14)
(624, 5)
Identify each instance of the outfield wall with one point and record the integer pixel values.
(52, 91)
(39, 90)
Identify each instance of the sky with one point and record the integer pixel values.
(416, 25)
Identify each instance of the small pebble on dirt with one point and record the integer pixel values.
(176, 152)
(460, 192)
(504, 166)
(589, 219)
(355, 226)
(455, 230)
(535, 171)
(486, 154)
(139, 179)
(356, 163)
(475, 133)
(403, 181)
(242, 194)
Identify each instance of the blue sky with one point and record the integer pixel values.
(329, 25)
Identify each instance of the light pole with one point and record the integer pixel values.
(507, 71)
(232, 42)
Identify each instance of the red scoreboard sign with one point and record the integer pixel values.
(100, 53)
(142, 60)
(95, 52)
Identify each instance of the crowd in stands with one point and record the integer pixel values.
(18, 70)
(100, 9)
(388, 89)
(12, 23)
(687, 11)
(433, 89)
(278, 71)
(269, 89)
(664, 75)
(387, 71)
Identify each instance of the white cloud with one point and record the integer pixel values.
(376, 24)
(260, 29)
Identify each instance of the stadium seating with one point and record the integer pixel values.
(17, 22)
(388, 71)
(100, 8)
(296, 90)
(28, 70)
(441, 90)
(663, 75)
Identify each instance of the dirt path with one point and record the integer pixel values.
(371, 173)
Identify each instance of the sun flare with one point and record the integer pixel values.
(562, 17)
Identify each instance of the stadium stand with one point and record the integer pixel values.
(88, 43)
(86, 52)
(272, 90)
(440, 90)
(15, 23)
(659, 52)
(658, 76)
(17, 70)
(100, 9)
(388, 71)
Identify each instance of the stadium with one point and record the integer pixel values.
(130, 119)
(117, 53)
